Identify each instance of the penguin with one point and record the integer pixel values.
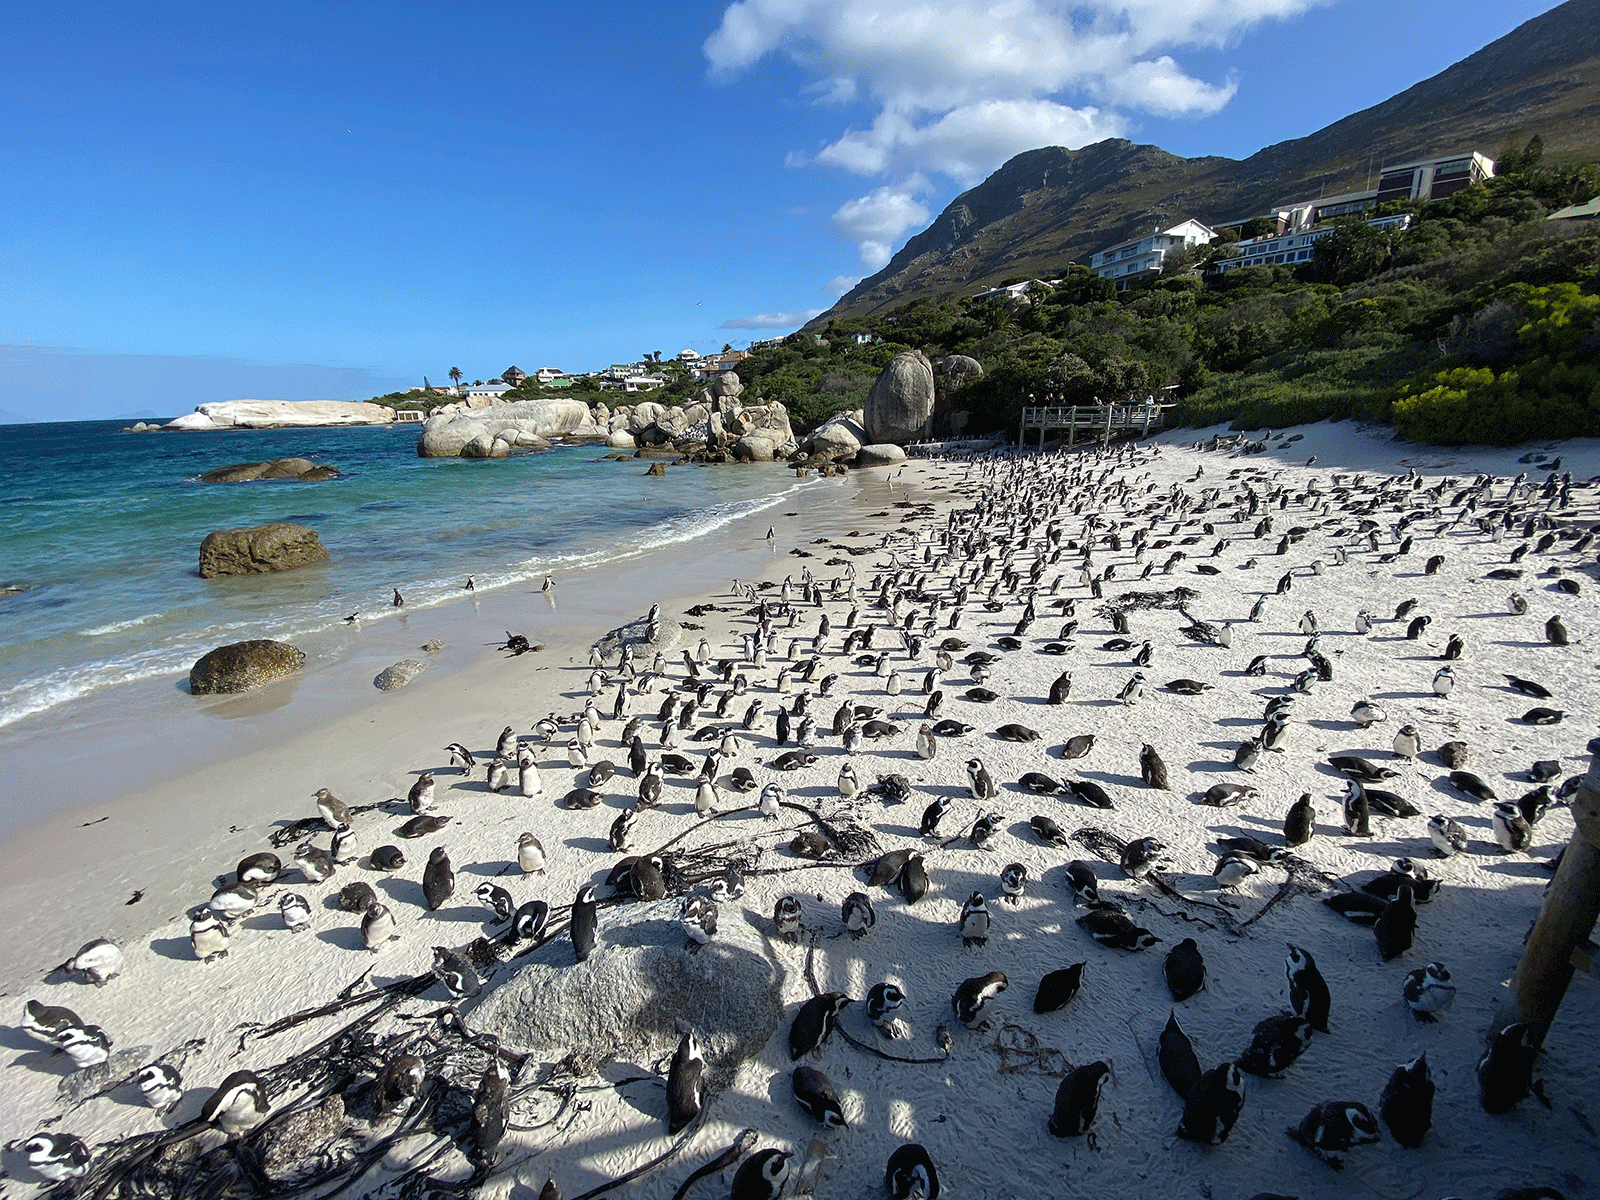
(786, 918)
(883, 1005)
(529, 921)
(497, 900)
(491, 1106)
(86, 1045)
(238, 1105)
(377, 926)
(438, 879)
(1406, 1105)
(234, 900)
(817, 1096)
(1447, 835)
(772, 797)
(296, 912)
(1140, 856)
(98, 961)
(1081, 879)
(763, 1175)
(46, 1022)
(1555, 631)
(456, 973)
(983, 830)
(685, 1083)
(161, 1085)
(1505, 1072)
(263, 867)
(1013, 881)
(397, 1086)
(1078, 1100)
(857, 914)
(530, 854)
(910, 1174)
(1152, 769)
(1274, 1045)
(1396, 926)
(1058, 988)
(1512, 832)
(849, 783)
(1407, 742)
(344, 850)
(57, 1157)
(1112, 927)
(208, 937)
(1248, 754)
(1308, 991)
(1300, 824)
(1231, 869)
(1335, 1125)
(1428, 990)
(974, 996)
(814, 1023)
(979, 781)
(698, 916)
(1180, 1066)
(421, 795)
(334, 810)
(1357, 809)
(1444, 681)
(315, 863)
(585, 921)
(975, 921)
(1184, 970)
(914, 879)
(1213, 1105)
(1366, 713)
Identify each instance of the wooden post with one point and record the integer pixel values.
(1571, 907)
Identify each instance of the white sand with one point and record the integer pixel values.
(981, 1115)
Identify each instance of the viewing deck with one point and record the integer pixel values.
(1096, 419)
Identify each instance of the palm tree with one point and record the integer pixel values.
(455, 376)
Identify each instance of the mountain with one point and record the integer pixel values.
(1050, 207)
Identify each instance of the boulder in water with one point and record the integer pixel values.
(302, 469)
(240, 666)
(280, 546)
(403, 672)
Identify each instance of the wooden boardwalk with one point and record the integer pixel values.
(1096, 420)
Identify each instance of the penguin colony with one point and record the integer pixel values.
(842, 688)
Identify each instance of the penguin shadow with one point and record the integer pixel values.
(913, 833)
(1108, 703)
(176, 948)
(1133, 781)
(1241, 722)
(647, 1096)
(1523, 645)
(592, 844)
(1428, 695)
(345, 937)
(1385, 849)
(402, 891)
(261, 922)
(12, 1038)
(493, 869)
(1216, 766)
(1516, 866)
(1332, 726)
(456, 914)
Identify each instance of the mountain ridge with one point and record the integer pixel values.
(1046, 208)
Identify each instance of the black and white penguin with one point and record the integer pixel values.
(1406, 1105)
(1308, 991)
(814, 1023)
(46, 1022)
(421, 796)
(496, 899)
(817, 1096)
(974, 996)
(983, 830)
(1213, 1105)
(530, 854)
(1505, 1072)
(1112, 927)
(857, 914)
(295, 910)
(1013, 882)
(529, 921)
(979, 781)
(456, 973)
(1335, 1125)
(1078, 1100)
(1081, 879)
(1058, 988)
(786, 918)
(762, 1176)
(585, 922)
(86, 1045)
(262, 867)
(491, 1106)
(1512, 832)
(1180, 1066)
(208, 937)
(438, 879)
(1396, 926)
(910, 1174)
(161, 1085)
(238, 1105)
(883, 1005)
(1357, 809)
(685, 1083)
(377, 927)
(932, 815)
(1141, 856)
(1407, 741)
(1274, 1045)
(57, 1157)
(698, 916)
(1447, 835)
(1152, 769)
(1184, 970)
(914, 879)
(974, 921)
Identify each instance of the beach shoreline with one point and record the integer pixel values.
(981, 1111)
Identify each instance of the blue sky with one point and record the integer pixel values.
(304, 200)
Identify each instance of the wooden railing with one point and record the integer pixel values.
(1101, 419)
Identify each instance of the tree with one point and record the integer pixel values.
(455, 376)
(1258, 227)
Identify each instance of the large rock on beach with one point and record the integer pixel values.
(302, 469)
(403, 672)
(281, 414)
(884, 454)
(522, 425)
(901, 400)
(240, 666)
(637, 634)
(840, 436)
(627, 1000)
(280, 546)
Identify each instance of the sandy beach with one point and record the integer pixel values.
(583, 1116)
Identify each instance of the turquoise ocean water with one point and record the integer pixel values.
(100, 529)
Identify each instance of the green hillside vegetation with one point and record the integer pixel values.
(1480, 323)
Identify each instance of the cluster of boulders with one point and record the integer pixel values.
(280, 414)
(302, 470)
(910, 397)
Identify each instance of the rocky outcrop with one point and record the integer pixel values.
(281, 414)
(403, 672)
(901, 400)
(956, 371)
(838, 437)
(240, 666)
(301, 469)
(499, 430)
(882, 455)
(279, 546)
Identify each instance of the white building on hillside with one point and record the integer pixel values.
(547, 374)
(487, 391)
(1294, 247)
(1145, 255)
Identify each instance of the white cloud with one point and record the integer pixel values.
(788, 320)
(879, 218)
(959, 86)
(840, 284)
